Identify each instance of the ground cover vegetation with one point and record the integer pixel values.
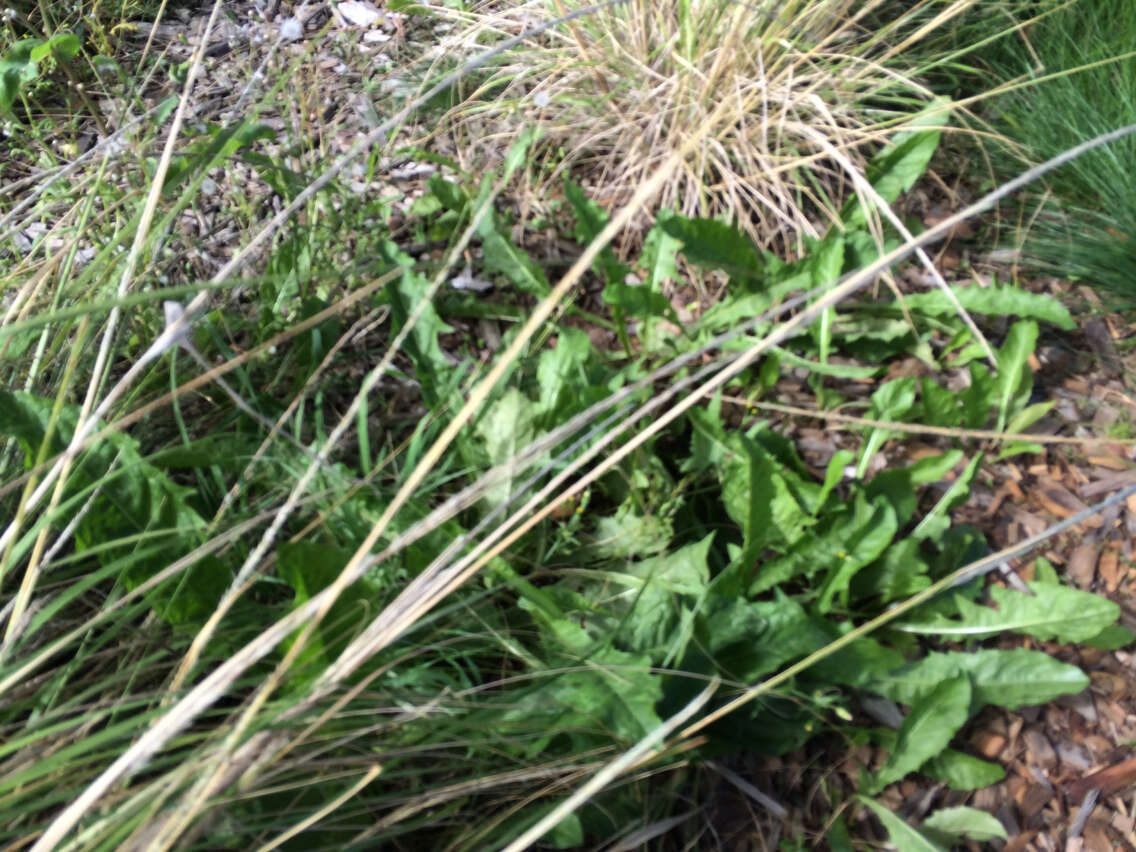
(1074, 72)
(392, 426)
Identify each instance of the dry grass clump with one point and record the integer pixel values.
(622, 89)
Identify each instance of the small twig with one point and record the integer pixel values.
(613, 770)
(774, 807)
(921, 429)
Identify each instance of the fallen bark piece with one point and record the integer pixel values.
(1108, 781)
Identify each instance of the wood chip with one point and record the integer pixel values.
(1123, 824)
(1034, 799)
(1060, 501)
(989, 744)
(1039, 750)
(1082, 565)
(1109, 569)
(1099, 338)
(1110, 462)
(1108, 483)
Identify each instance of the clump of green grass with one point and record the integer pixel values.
(1074, 71)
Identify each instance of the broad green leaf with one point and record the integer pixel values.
(978, 397)
(1004, 678)
(715, 245)
(893, 399)
(1016, 448)
(658, 257)
(1044, 572)
(959, 823)
(843, 371)
(825, 259)
(935, 522)
(896, 167)
(933, 468)
(422, 345)
(961, 771)
(1028, 416)
(960, 545)
(683, 571)
(62, 47)
(998, 300)
(16, 67)
(448, 193)
(1052, 612)
(926, 730)
(636, 300)
(629, 533)
(749, 639)
(838, 837)
(841, 544)
(612, 696)
(834, 473)
(518, 151)
(870, 531)
(760, 495)
(590, 217)
(736, 308)
(309, 567)
(506, 428)
(898, 484)
(899, 573)
(905, 838)
(590, 221)
(1014, 380)
(707, 440)
(855, 665)
(1112, 638)
(940, 406)
(667, 587)
(890, 402)
(503, 258)
(857, 326)
(566, 834)
(563, 374)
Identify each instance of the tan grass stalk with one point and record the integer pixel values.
(103, 354)
(31, 573)
(921, 429)
(336, 803)
(173, 331)
(86, 419)
(632, 757)
(771, 66)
